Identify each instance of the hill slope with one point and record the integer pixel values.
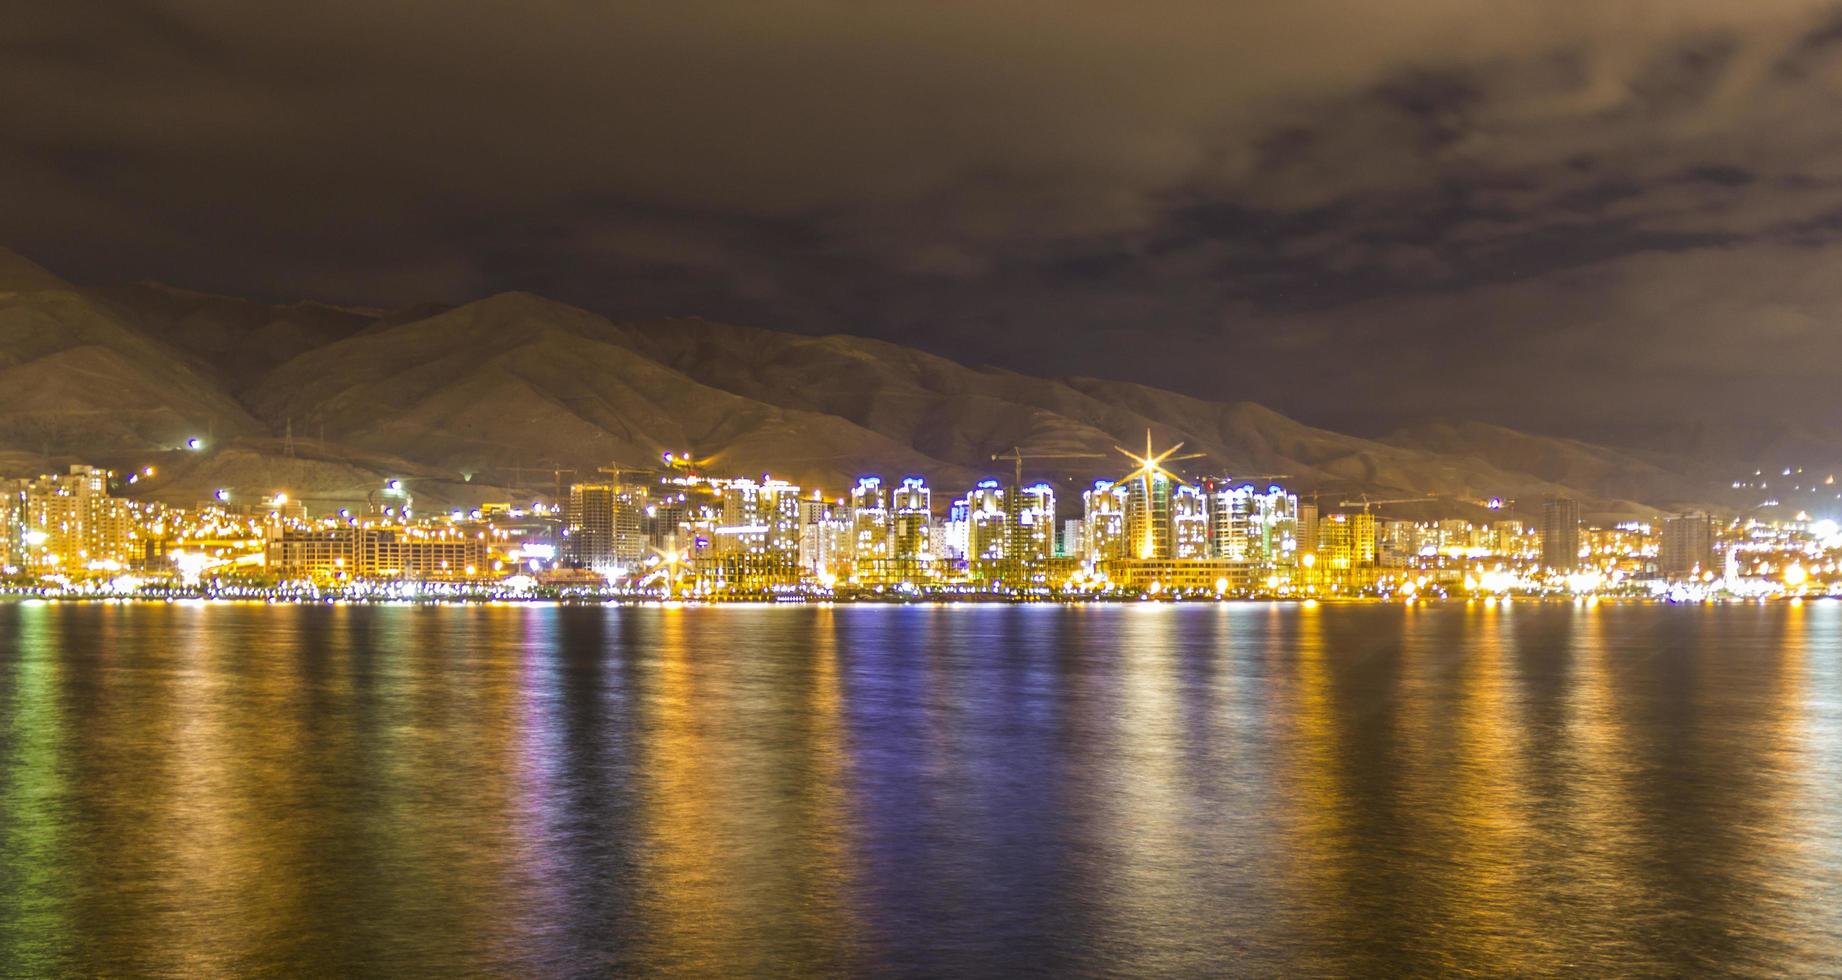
(495, 393)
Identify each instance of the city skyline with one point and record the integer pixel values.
(677, 531)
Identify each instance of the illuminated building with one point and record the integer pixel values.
(780, 510)
(664, 521)
(12, 526)
(741, 575)
(73, 527)
(813, 509)
(1103, 522)
(588, 526)
(870, 520)
(1307, 533)
(1687, 546)
(605, 523)
(1346, 553)
(755, 545)
(987, 528)
(1196, 576)
(1148, 524)
(1509, 538)
(318, 555)
(1397, 542)
(913, 506)
(941, 544)
(1035, 534)
(1073, 543)
(1189, 515)
(747, 521)
(955, 536)
(1148, 501)
(1560, 534)
(378, 553)
(741, 503)
(1231, 521)
(1247, 525)
(826, 539)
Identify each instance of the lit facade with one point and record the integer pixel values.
(1104, 522)
(379, 553)
(71, 525)
(870, 520)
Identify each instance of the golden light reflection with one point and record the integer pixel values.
(33, 784)
(1319, 831)
(1484, 795)
(1144, 816)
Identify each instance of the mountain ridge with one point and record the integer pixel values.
(477, 396)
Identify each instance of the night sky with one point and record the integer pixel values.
(1599, 218)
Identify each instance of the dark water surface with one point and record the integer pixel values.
(1244, 789)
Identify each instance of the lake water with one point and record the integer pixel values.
(1242, 789)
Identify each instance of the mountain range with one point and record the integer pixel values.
(514, 394)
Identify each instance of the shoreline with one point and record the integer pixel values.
(756, 603)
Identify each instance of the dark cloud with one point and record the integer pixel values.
(1600, 218)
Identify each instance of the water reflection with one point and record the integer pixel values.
(1527, 789)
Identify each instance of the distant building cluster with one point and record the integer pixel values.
(670, 530)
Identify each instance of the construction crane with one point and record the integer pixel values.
(1013, 506)
(1017, 456)
(614, 472)
(1367, 501)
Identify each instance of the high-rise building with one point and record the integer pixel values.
(741, 503)
(1397, 542)
(1560, 534)
(987, 531)
(779, 508)
(1189, 515)
(1307, 528)
(1036, 523)
(1230, 520)
(629, 525)
(664, 521)
(1148, 523)
(1507, 538)
(1687, 546)
(941, 545)
(606, 524)
(1104, 522)
(12, 526)
(870, 519)
(73, 527)
(956, 536)
(1273, 538)
(588, 526)
(1248, 525)
(827, 536)
(1346, 544)
(912, 504)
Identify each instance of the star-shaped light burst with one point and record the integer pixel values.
(1148, 466)
(667, 566)
(1152, 463)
